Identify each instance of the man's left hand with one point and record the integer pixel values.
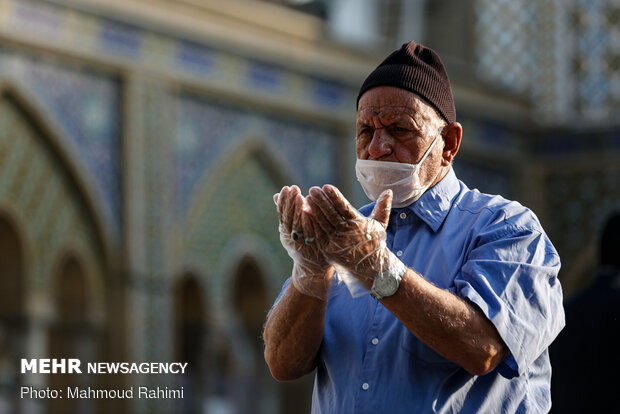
(348, 238)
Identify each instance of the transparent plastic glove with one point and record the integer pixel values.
(353, 243)
(311, 271)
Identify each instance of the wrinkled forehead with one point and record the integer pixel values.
(393, 104)
(387, 112)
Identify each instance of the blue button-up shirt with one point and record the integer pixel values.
(488, 250)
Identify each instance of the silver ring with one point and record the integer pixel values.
(297, 235)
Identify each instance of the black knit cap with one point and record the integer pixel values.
(418, 69)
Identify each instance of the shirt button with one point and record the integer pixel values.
(403, 215)
(399, 253)
(365, 386)
(375, 341)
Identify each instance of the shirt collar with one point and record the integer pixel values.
(435, 203)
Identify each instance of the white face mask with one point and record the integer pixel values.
(404, 179)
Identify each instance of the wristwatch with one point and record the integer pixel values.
(386, 283)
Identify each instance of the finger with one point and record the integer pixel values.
(322, 225)
(289, 207)
(382, 209)
(298, 201)
(282, 202)
(341, 204)
(308, 222)
(325, 205)
(308, 227)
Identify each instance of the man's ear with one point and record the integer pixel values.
(451, 134)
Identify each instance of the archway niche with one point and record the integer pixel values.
(190, 333)
(12, 314)
(11, 274)
(250, 300)
(71, 333)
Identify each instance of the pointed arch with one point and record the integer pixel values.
(252, 147)
(235, 200)
(27, 105)
(44, 188)
(231, 235)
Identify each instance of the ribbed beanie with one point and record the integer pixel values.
(418, 69)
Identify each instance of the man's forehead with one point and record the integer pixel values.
(389, 101)
(393, 112)
(387, 109)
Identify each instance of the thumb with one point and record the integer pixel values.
(382, 209)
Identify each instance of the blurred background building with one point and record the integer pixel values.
(141, 142)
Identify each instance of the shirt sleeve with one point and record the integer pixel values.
(511, 275)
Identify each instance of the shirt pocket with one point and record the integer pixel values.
(423, 353)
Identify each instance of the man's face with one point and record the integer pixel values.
(396, 125)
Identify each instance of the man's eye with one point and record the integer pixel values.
(400, 130)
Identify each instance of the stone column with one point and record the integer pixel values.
(147, 203)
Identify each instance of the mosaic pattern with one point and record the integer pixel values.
(596, 57)
(239, 201)
(503, 44)
(563, 55)
(126, 42)
(552, 81)
(206, 131)
(85, 105)
(33, 183)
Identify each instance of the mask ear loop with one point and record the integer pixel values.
(428, 150)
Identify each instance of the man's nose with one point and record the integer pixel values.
(381, 144)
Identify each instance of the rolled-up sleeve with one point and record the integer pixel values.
(511, 275)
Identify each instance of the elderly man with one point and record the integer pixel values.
(464, 297)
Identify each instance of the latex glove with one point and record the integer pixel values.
(353, 243)
(311, 271)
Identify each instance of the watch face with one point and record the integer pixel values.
(386, 283)
(385, 286)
